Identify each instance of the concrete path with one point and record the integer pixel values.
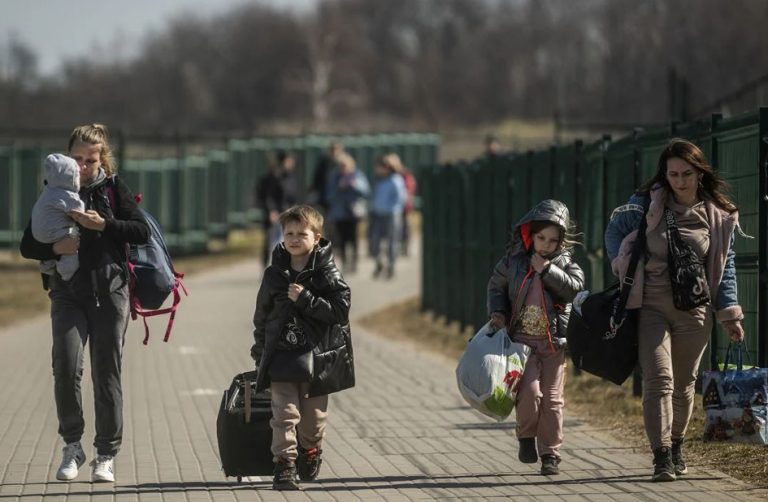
(403, 433)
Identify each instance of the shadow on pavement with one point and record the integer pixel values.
(330, 484)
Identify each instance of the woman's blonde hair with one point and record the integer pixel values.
(95, 134)
(392, 162)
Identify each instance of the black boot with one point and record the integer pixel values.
(549, 465)
(528, 453)
(285, 476)
(677, 457)
(663, 469)
(309, 463)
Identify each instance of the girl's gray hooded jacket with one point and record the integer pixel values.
(512, 275)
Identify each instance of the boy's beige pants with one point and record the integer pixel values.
(294, 413)
(540, 397)
(670, 343)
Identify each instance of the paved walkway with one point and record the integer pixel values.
(402, 434)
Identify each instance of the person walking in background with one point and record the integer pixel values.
(492, 147)
(411, 187)
(530, 293)
(688, 215)
(348, 190)
(276, 191)
(303, 303)
(92, 307)
(324, 170)
(386, 213)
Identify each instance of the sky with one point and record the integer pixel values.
(59, 29)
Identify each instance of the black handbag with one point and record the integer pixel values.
(602, 340)
(292, 360)
(686, 271)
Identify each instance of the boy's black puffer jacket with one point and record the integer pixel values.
(322, 310)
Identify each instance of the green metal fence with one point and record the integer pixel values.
(468, 211)
(200, 196)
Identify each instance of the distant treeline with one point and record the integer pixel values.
(373, 64)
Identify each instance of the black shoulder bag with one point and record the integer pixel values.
(292, 360)
(602, 340)
(686, 271)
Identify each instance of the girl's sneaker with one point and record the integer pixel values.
(549, 465)
(528, 453)
(663, 469)
(677, 457)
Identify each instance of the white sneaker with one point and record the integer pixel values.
(103, 469)
(74, 458)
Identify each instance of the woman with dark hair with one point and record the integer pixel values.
(686, 272)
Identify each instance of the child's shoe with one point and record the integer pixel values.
(549, 465)
(285, 476)
(308, 463)
(528, 453)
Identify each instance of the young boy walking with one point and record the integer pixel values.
(303, 348)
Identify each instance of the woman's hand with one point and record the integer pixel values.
(88, 219)
(294, 290)
(67, 245)
(734, 330)
(498, 320)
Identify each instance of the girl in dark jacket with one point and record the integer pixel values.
(302, 305)
(93, 305)
(530, 292)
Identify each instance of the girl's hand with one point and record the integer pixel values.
(88, 219)
(294, 290)
(734, 330)
(67, 245)
(539, 263)
(498, 320)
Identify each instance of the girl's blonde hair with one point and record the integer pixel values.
(95, 134)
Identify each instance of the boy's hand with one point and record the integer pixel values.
(538, 263)
(294, 290)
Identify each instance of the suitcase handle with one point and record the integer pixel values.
(247, 400)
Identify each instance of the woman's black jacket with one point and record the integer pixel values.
(322, 310)
(101, 254)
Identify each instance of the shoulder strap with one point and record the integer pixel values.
(111, 192)
(629, 278)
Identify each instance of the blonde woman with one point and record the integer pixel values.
(92, 307)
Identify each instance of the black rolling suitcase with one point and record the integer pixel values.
(243, 432)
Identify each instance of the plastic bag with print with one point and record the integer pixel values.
(490, 371)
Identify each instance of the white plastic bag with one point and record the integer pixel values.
(490, 371)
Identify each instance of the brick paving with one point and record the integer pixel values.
(403, 433)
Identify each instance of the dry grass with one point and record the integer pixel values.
(22, 295)
(618, 411)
